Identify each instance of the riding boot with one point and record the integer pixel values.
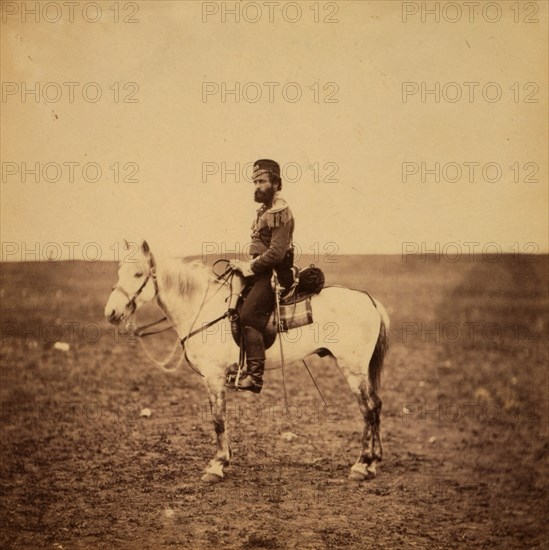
(252, 379)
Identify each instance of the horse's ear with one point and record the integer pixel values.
(145, 247)
(126, 245)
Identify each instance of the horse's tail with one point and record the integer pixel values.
(381, 349)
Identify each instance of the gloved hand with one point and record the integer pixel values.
(244, 267)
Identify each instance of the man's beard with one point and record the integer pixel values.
(266, 197)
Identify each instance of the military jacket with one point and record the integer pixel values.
(272, 234)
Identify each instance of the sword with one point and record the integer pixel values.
(280, 330)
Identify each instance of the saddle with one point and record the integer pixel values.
(295, 303)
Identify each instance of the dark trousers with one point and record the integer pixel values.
(259, 303)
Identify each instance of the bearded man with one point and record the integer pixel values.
(271, 250)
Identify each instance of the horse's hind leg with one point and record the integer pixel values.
(222, 457)
(372, 451)
(370, 407)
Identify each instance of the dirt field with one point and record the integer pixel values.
(464, 423)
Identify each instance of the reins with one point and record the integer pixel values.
(143, 334)
(139, 332)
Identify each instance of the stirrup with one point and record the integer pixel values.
(230, 382)
(232, 374)
(253, 386)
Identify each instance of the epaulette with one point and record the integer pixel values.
(278, 214)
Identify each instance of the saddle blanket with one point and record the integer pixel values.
(295, 314)
(292, 315)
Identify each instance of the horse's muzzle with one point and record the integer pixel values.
(112, 317)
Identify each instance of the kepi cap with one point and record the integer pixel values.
(263, 166)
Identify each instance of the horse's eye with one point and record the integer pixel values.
(137, 275)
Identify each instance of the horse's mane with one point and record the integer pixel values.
(182, 276)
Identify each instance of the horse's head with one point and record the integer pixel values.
(136, 285)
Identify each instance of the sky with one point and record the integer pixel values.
(325, 99)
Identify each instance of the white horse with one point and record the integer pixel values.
(191, 297)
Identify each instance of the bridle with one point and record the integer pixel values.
(139, 331)
(151, 275)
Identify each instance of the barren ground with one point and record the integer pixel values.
(464, 423)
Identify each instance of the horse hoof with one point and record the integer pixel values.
(356, 476)
(361, 472)
(211, 478)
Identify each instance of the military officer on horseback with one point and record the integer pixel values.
(271, 250)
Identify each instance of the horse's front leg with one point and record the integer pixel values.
(222, 457)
